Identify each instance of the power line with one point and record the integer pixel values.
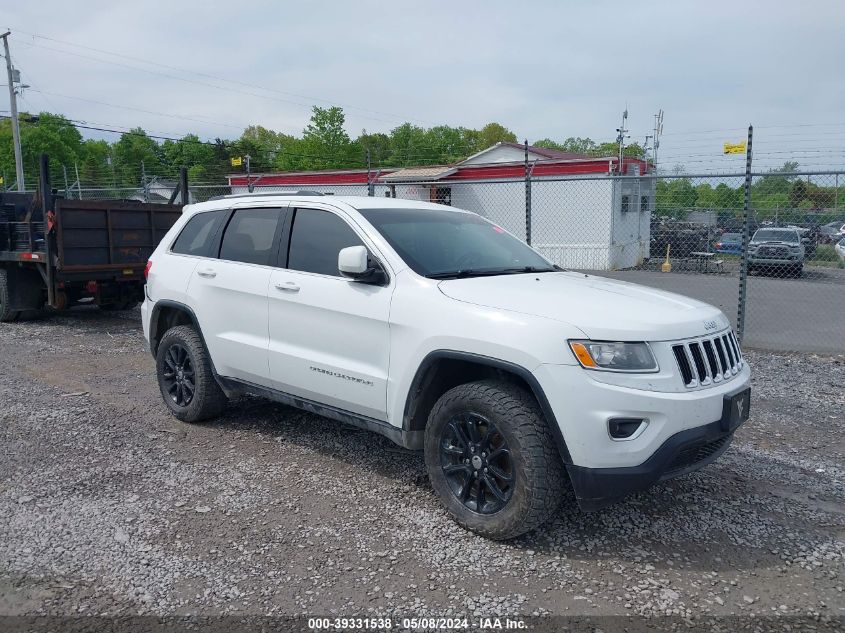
(394, 117)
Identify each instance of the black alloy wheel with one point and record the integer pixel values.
(476, 463)
(178, 376)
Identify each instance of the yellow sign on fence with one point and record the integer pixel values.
(735, 148)
(237, 161)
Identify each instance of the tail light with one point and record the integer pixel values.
(147, 268)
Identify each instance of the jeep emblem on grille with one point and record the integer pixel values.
(710, 325)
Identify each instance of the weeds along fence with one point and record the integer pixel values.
(782, 282)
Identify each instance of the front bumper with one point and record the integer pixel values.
(682, 453)
(683, 431)
(772, 261)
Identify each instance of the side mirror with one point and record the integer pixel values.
(354, 262)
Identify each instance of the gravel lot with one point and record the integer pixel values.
(110, 506)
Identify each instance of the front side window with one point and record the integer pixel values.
(444, 244)
(249, 236)
(196, 237)
(316, 239)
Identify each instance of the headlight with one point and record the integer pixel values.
(633, 357)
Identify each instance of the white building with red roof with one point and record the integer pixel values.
(584, 215)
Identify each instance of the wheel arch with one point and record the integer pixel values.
(441, 370)
(167, 314)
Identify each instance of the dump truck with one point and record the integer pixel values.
(57, 252)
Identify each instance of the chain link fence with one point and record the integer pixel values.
(680, 233)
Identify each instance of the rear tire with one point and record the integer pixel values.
(6, 315)
(185, 377)
(493, 431)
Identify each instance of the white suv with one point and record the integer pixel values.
(443, 332)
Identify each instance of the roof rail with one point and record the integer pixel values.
(303, 192)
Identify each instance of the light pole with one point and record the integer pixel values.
(13, 101)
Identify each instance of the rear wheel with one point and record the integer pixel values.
(492, 460)
(185, 378)
(6, 315)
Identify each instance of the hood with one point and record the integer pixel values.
(604, 309)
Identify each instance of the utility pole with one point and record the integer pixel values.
(620, 138)
(658, 130)
(13, 106)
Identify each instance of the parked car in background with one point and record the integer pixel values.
(840, 249)
(729, 244)
(832, 232)
(776, 250)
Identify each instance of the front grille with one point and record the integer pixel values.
(773, 252)
(708, 361)
(695, 455)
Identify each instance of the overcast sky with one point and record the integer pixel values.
(544, 69)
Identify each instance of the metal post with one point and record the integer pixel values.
(250, 187)
(183, 184)
(144, 184)
(13, 101)
(64, 170)
(371, 190)
(743, 269)
(527, 197)
(47, 216)
(78, 182)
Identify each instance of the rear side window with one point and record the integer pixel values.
(249, 236)
(316, 239)
(196, 237)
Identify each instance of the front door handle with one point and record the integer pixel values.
(287, 286)
(208, 273)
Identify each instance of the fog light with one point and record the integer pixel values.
(624, 428)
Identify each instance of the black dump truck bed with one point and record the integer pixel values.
(69, 251)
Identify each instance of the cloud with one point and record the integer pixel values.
(544, 69)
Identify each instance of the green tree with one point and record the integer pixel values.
(797, 193)
(408, 145)
(46, 133)
(325, 141)
(134, 148)
(493, 133)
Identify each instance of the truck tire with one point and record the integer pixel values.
(185, 377)
(492, 460)
(6, 315)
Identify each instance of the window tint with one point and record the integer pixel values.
(249, 236)
(195, 238)
(316, 239)
(434, 242)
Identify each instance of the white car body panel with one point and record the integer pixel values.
(358, 347)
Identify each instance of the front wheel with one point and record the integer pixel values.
(185, 377)
(492, 460)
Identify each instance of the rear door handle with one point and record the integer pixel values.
(287, 286)
(208, 273)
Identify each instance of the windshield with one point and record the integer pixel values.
(444, 244)
(731, 237)
(776, 235)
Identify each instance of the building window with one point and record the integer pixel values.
(643, 204)
(440, 195)
(626, 204)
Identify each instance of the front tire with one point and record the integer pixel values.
(185, 377)
(492, 460)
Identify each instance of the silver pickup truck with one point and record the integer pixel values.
(776, 250)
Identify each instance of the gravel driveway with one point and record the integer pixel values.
(110, 506)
